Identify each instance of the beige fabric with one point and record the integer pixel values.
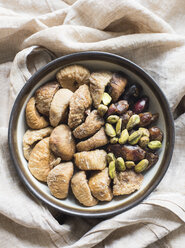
(150, 33)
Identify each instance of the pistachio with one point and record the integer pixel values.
(124, 137)
(130, 164)
(118, 126)
(110, 157)
(134, 137)
(112, 119)
(102, 109)
(141, 166)
(109, 130)
(120, 164)
(154, 145)
(114, 140)
(143, 142)
(106, 98)
(144, 131)
(133, 121)
(112, 169)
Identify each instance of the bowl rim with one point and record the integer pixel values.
(77, 57)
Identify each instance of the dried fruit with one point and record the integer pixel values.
(156, 134)
(155, 117)
(154, 145)
(81, 190)
(114, 140)
(39, 161)
(58, 179)
(80, 101)
(62, 142)
(119, 126)
(152, 158)
(133, 121)
(109, 130)
(112, 169)
(106, 98)
(59, 106)
(44, 96)
(118, 108)
(141, 105)
(112, 119)
(117, 85)
(124, 137)
(33, 118)
(102, 109)
(91, 125)
(127, 182)
(127, 152)
(32, 136)
(141, 166)
(132, 93)
(110, 157)
(145, 119)
(99, 185)
(73, 76)
(97, 140)
(134, 137)
(98, 82)
(120, 164)
(91, 160)
(130, 164)
(143, 142)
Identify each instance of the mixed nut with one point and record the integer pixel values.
(98, 122)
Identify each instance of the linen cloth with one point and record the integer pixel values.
(151, 34)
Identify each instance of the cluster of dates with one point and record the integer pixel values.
(132, 141)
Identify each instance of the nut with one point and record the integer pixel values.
(102, 109)
(119, 126)
(144, 131)
(112, 119)
(106, 98)
(109, 130)
(114, 140)
(143, 142)
(133, 121)
(110, 157)
(141, 166)
(120, 164)
(130, 164)
(112, 169)
(124, 137)
(134, 137)
(154, 145)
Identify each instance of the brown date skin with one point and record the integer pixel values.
(152, 158)
(156, 134)
(132, 93)
(141, 105)
(145, 119)
(118, 108)
(131, 153)
(117, 86)
(155, 117)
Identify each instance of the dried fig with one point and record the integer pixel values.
(33, 118)
(44, 96)
(81, 190)
(62, 142)
(71, 77)
(32, 136)
(59, 105)
(117, 86)
(58, 179)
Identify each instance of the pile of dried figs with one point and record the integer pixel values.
(90, 131)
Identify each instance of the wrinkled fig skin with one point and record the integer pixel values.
(152, 158)
(118, 108)
(156, 134)
(141, 105)
(127, 152)
(117, 86)
(145, 119)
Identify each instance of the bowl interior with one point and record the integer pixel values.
(70, 205)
